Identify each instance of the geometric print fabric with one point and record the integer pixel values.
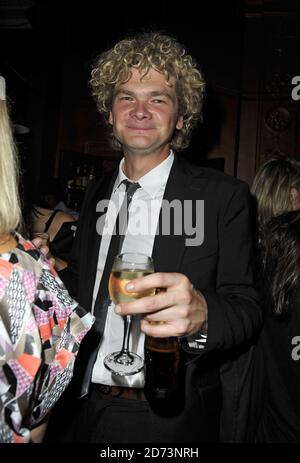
(41, 328)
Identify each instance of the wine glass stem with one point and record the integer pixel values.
(127, 327)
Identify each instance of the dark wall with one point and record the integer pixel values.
(31, 61)
(47, 67)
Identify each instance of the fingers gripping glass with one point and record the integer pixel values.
(125, 268)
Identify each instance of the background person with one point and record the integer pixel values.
(276, 187)
(43, 217)
(276, 192)
(279, 345)
(53, 194)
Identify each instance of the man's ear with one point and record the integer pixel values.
(179, 123)
(110, 118)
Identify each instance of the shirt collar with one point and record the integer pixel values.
(154, 180)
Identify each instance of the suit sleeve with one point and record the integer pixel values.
(234, 315)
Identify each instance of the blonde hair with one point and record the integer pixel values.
(272, 187)
(10, 213)
(144, 52)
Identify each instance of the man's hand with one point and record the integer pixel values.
(178, 311)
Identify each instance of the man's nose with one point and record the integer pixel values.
(140, 110)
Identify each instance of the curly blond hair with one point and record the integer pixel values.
(144, 52)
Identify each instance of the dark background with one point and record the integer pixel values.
(247, 49)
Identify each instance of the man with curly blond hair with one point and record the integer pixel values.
(150, 92)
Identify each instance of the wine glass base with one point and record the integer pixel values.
(124, 365)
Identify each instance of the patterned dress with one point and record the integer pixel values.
(41, 328)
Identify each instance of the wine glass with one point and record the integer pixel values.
(126, 267)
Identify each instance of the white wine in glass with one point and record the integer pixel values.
(127, 267)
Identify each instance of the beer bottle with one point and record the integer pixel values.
(162, 358)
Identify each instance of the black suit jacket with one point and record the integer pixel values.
(221, 268)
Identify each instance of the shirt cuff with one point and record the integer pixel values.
(197, 341)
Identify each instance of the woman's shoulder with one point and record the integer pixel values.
(42, 211)
(38, 218)
(58, 221)
(62, 217)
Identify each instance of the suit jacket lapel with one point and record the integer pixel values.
(168, 249)
(182, 185)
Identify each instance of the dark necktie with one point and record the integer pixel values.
(115, 246)
(89, 349)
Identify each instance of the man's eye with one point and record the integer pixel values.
(126, 98)
(158, 101)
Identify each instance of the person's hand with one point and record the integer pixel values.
(44, 249)
(37, 434)
(178, 311)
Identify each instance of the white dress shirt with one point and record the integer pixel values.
(144, 212)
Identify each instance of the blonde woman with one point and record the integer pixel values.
(41, 326)
(276, 187)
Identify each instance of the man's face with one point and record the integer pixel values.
(144, 113)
